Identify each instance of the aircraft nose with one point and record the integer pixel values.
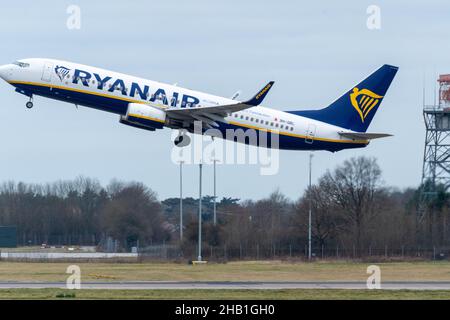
(4, 71)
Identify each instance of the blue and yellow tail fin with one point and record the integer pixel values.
(356, 108)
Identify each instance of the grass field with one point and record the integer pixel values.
(232, 271)
(297, 294)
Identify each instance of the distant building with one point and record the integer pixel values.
(8, 237)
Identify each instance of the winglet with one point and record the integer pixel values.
(259, 97)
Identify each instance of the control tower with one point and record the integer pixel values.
(436, 159)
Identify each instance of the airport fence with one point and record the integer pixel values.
(160, 252)
(260, 252)
(172, 252)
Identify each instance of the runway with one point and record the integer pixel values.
(159, 285)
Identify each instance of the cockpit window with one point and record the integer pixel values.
(21, 64)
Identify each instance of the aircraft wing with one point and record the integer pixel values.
(209, 115)
(363, 135)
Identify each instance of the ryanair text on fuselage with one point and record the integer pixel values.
(109, 84)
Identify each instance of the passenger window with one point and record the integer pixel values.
(281, 127)
(242, 117)
(246, 118)
(251, 119)
(271, 124)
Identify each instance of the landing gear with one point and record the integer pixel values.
(182, 140)
(29, 104)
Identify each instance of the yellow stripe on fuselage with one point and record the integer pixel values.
(163, 106)
(297, 135)
(84, 91)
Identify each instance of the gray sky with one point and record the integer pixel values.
(314, 52)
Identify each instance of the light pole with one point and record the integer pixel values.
(200, 215)
(181, 201)
(214, 203)
(310, 207)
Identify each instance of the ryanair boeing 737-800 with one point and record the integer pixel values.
(151, 105)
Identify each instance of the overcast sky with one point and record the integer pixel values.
(314, 52)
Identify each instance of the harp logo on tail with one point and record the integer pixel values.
(364, 101)
(62, 72)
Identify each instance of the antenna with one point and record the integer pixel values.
(423, 90)
(435, 88)
(237, 94)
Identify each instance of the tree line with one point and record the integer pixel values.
(82, 212)
(351, 209)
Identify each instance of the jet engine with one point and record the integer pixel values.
(144, 116)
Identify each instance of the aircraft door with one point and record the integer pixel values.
(47, 72)
(310, 133)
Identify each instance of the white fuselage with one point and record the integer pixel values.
(113, 92)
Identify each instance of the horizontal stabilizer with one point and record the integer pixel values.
(363, 135)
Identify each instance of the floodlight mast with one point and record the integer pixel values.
(199, 258)
(310, 207)
(181, 201)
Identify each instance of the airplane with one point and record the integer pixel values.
(151, 105)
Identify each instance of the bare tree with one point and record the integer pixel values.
(327, 219)
(354, 186)
(133, 214)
